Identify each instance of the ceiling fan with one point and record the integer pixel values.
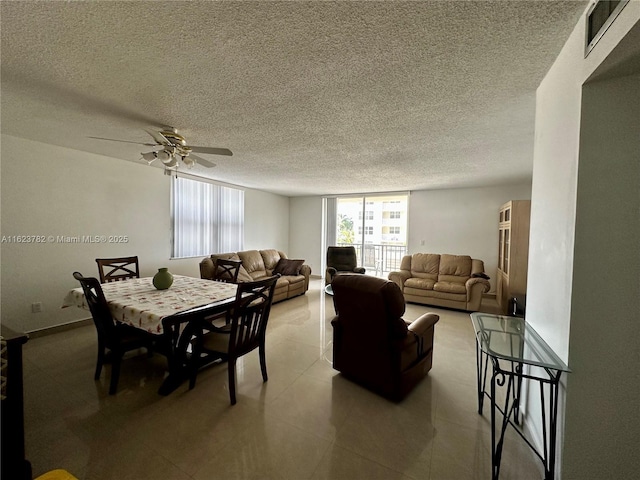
(174, 149)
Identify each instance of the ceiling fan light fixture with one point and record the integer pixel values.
(189, 162)
(163, 156)
(172, 162)
(149, 157)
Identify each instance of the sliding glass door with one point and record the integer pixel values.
(376, 226)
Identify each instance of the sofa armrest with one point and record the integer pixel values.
(475, 288)
(399, 277)
(483, 288)
(306, 271)
(206, 268)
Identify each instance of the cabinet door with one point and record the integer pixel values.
(500, 249)
(506, 252)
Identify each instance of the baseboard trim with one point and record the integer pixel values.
(43, 332)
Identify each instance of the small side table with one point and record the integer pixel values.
(516, 352)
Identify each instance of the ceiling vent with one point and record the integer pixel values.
(600, 16)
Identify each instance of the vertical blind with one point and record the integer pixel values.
(207, 218)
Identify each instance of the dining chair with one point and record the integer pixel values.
(115, 269)
(117, 338)
(249, 316)
(226, 270)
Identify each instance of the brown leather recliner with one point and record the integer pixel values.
(341, 260)
(372, 344)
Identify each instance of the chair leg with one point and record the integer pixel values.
(263, 362)
(99, 362)
(194, 362)
(231, 365)
(115, 372)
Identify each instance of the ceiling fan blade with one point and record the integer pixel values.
(212, 150)
(125, 141)
(202, 161)
(158, 137)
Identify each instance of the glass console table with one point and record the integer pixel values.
(516, 352)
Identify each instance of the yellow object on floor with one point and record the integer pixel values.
(57, 474)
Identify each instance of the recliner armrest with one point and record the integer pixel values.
(359, 270)
(423, 323)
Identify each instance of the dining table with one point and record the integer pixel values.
(167, 313)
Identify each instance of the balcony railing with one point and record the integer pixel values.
(378, 259)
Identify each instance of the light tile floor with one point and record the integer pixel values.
(306, 422)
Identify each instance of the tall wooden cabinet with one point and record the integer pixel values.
(513, 251)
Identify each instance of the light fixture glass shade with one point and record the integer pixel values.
(163, 156)
(172, 162)
(189, 162)
(149, 157)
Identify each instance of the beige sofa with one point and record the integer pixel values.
(257, 264)
(452, 281)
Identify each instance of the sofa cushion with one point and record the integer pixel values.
(422, 283)
(270, 258)
(454, 268)
(425, 265)
(253, 263)
(243, 275)
(458, 265)
(450, 287)
(286, 266)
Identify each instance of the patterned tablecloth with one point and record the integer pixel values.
(138, 303)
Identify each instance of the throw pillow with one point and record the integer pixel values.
(287, 266)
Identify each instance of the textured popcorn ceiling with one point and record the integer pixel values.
(312, 97)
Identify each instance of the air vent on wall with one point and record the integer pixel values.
(599, 17)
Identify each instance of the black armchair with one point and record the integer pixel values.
(341, 260)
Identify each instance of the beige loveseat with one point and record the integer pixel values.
(452, 281)
(257, 264)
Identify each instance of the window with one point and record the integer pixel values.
(375, 225)
(207, 218)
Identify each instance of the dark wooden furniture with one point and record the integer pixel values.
(372, 344)
(14, 463)
(117, 338)
(226, 270)
(341, 260)
(115, 269)
(248, 325)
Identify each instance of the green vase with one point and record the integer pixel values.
(163, 279)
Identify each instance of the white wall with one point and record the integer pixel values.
(48, 190)
(560, 161)
(604, 338)
(457, 221)
(305, 235)
(266, 221)
(461, 221)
